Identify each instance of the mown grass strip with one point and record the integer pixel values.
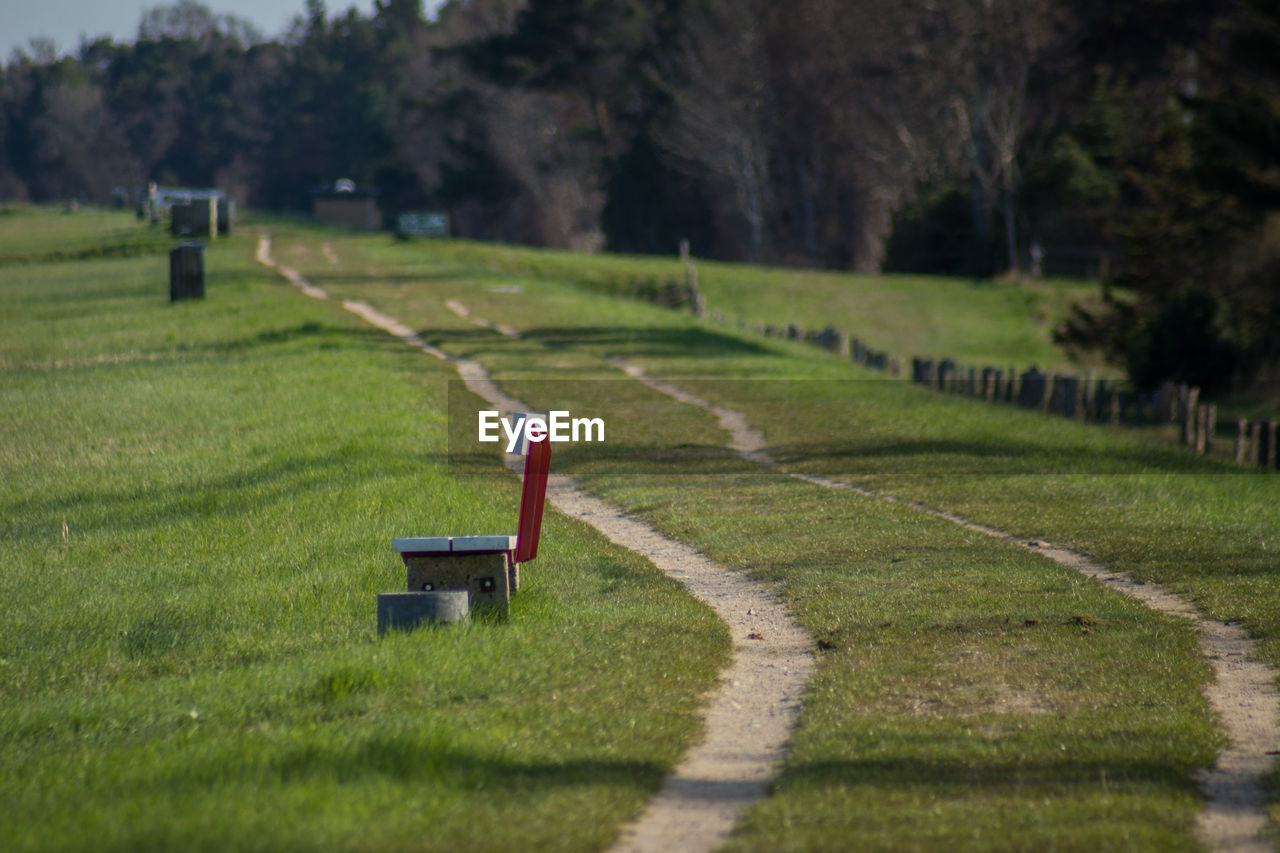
(199, 500)
(972, 694)
(42, 234)
(1003, 324)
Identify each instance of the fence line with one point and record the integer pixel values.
(1087, 398)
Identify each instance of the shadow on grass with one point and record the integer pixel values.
(232, 495)
(931, 457)
(659, 341)
(691, 343)
(429, 758)
(1017, 778)
(463, 273)
(319, 333)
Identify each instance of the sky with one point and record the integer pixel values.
(65, 21)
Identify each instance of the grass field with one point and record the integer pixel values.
(976, 322)
(33, 234)
(197, 511)
(971, 694)
(204, 495)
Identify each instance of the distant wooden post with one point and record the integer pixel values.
(1189, 417)
(213, 218)
(1255, 446)
(1047, 398)
(695, 295)
(1271, 444)
(1202, 418)
(1242, 427)
(684, 251)
(1210, 426)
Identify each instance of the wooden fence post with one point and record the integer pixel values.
(1242, 427)
(1255, 446)
(1189, 417)
(1202, 417)
(695, 296)
(1210, 426)
(1271, 444)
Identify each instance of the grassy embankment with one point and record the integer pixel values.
(1003, 324)
(970, 693)
(38, 234)
(196, 517)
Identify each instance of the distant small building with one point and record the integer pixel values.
(192, 212)
(346, 205)
(430, 223)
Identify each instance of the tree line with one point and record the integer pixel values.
(1133, 140)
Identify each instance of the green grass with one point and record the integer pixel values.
(977, 322)
(196, 519)
(971, 694)
(33, 234)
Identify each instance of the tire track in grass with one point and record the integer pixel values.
(749, 716)
(462, 311)
(1244, 693)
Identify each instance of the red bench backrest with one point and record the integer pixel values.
(532, 497)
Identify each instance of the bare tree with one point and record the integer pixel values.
(862, 118)
(723, 109)
(989, 49)
(189, 20)
(78, 148)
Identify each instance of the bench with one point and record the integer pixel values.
(487, 567)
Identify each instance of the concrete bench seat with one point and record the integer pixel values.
(488, 567)
(448, 544)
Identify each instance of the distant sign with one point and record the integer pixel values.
(430, 224)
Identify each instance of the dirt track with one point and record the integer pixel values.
(751, 714)
(748, 718)
(1244, 693)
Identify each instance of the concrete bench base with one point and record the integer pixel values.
(404, 611)
(487, 576)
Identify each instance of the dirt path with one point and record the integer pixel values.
(749, 716)
(465, 313)
(1244, 693)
